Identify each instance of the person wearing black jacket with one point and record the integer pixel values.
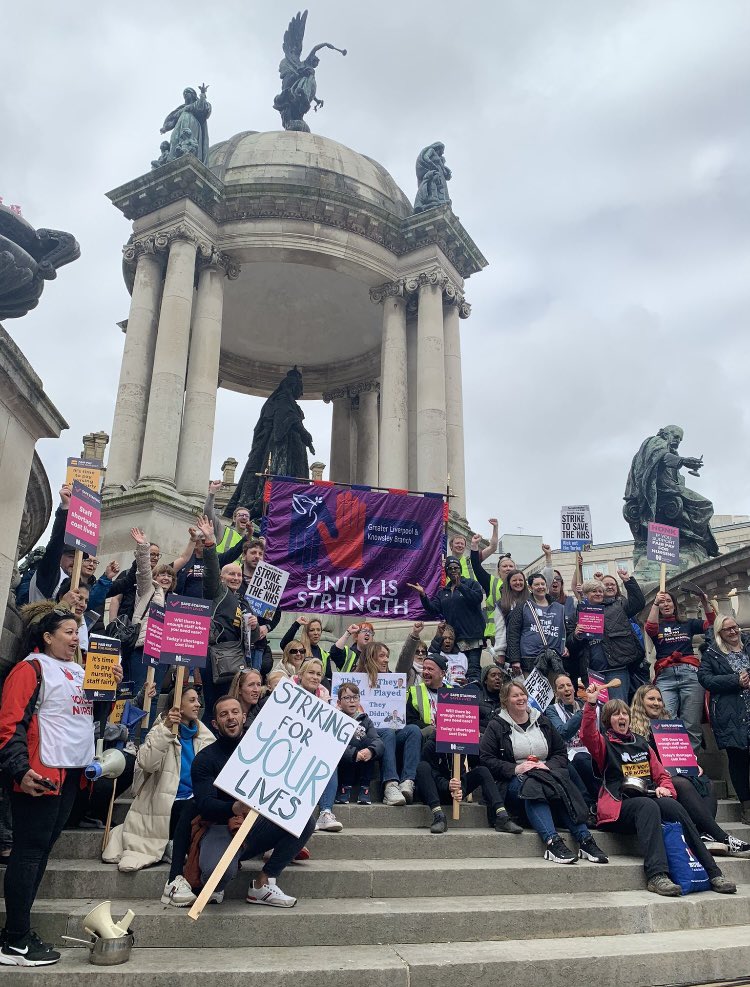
(123, 592)
(528, 759)
(618, 649)
(363, 751)
(57, 561)
(489, 694)
(216, 807)
(436, 785)
(459, 603)
(725, 673)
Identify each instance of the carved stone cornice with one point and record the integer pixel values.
(337, 394)
(351, 390)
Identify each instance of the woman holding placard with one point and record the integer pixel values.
(613, 650)
(46, 739)
(676, 668)
(695, 794)
(309, 678)
(637, 794)
(725, 673)
(162, 808)
(151, 587)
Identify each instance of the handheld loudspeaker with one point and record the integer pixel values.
(109, 764)
(99, 922)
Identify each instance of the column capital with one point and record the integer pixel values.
(336, 394)
(438, 278)
(137, 246)
(210, 256)
(391, 289)
(364, 386)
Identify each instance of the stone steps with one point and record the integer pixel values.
(399, 843)
(649, 959)
(318, 922)
(472, 814)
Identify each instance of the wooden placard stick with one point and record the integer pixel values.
(75, 576)
(220, 869)
(150, 672)
(178, 686)
(663, 577)
(457, 775)
(108, 825)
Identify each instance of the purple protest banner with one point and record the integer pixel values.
(352, 551)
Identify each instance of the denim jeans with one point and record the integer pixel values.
(408, 740)
(329, 793)
(683, 696)
(619, 691)
(539, 814)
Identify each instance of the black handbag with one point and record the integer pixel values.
(126, 631)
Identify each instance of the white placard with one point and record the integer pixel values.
(265, 589)
(284, 761)
(539, 690)
(384, 703)
(575, 528)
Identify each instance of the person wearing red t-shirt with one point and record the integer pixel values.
(676, 668)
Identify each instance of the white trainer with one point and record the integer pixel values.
(269, 894)
(407, 790)
(216, 898)
(178, 893)
(328, 823)
(392, 795)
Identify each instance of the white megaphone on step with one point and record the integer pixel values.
(99, 922)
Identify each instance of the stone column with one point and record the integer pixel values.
(196, 438)
(411, 377)
(162, 436)
(341, 423)
(135, 371)
(394, 422)
(367, 434)
(454, 409)
(432, 448)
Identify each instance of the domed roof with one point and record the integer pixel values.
(306, 161)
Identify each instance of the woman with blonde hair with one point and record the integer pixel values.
(694, 794)
(724, 672)
(293, 657)
(308, 631)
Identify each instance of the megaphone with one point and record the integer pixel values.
(108, 764)
(99, 922)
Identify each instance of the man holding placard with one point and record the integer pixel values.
(226, 812)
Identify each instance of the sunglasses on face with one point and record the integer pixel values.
(296, 651)
(420, 652)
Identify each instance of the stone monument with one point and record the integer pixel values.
(28, 258)
(280, 444)
(286, 247)
(656, 491)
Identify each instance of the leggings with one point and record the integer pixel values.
(739, 771)
(700, 808)
(37, 824)
(180, 824)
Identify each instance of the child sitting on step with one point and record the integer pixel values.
(365, 749)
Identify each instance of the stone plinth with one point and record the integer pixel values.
(26, 415)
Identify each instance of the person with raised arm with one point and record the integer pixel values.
(226, 536)
(346, 651)
(621, 755)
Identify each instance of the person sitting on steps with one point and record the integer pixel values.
(363, 752)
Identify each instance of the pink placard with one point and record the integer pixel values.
(674, 748)
(187, 622)
(598, 681)
(591, 620)
(457, 722)
(83, 520)
(154, 635)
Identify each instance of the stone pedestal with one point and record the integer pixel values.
(26, 415)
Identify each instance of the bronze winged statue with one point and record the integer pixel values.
(298, 87)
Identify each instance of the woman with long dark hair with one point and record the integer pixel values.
(46, 739)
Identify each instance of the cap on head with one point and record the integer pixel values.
(452, 560)
(438, 660)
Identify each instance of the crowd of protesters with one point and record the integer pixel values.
(564, 765)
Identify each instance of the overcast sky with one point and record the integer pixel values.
(601, 162)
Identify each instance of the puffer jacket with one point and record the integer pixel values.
(620, 644)
(141, 840)
(727, 709)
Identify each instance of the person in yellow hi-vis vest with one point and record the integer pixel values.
(227, 536)
(421, 699)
